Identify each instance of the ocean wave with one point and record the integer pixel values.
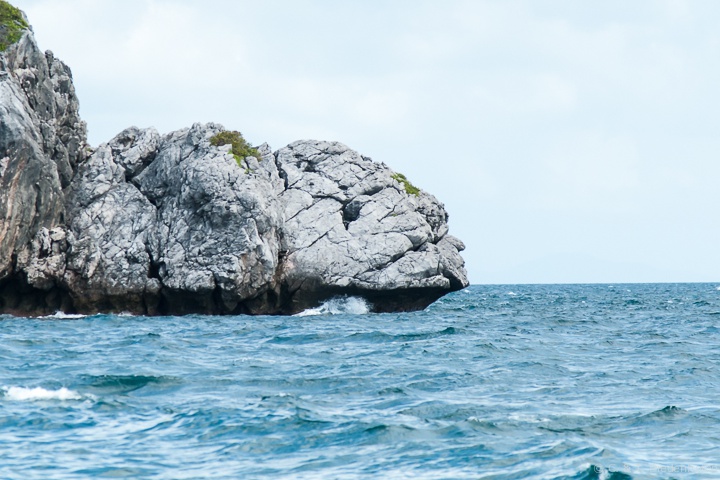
(338, 306)
(667, 412)
(596, 472)
(122, 384)
(378, 336)
(64, 316)
(39, 393)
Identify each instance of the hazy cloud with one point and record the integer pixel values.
(570, 141)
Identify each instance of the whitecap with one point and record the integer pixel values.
(39, 393)
(512, 294)
(339, 305)
(65, 316)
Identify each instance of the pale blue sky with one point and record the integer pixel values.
(570, 141)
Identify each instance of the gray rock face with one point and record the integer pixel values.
(154, 223)
(217, 224)
(109, 224)
(173, 224)
(42, 139)
(350, 226)
(170, 224)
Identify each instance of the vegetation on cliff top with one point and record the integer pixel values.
(12, 24)
(240, 148)
(409, 187)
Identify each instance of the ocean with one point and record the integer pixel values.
(502, 382)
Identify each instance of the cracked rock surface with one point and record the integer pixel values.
(349, 225)
(170, 224)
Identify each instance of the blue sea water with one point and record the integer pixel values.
(501, 382)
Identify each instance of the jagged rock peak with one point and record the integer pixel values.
(42, 140)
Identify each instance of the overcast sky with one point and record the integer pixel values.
(570, 141)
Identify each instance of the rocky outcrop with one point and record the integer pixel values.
(170, 224)
(157, 224)
(42, 139)
(352, 226)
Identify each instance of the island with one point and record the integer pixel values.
(196, 220)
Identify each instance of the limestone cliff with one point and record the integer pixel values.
(42, 140)
(179, 223)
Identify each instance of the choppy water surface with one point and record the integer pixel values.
(499, 382)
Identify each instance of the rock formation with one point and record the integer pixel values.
(42, 140)
(156, 224)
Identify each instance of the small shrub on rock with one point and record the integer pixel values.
(12, 25)
(240, 148)
(410, 189)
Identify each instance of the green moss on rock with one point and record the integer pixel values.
(409, 187)
(240, 148)
(12, 25)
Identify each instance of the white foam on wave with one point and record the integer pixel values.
(339, 305)
(39, 393)
(65, 316)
